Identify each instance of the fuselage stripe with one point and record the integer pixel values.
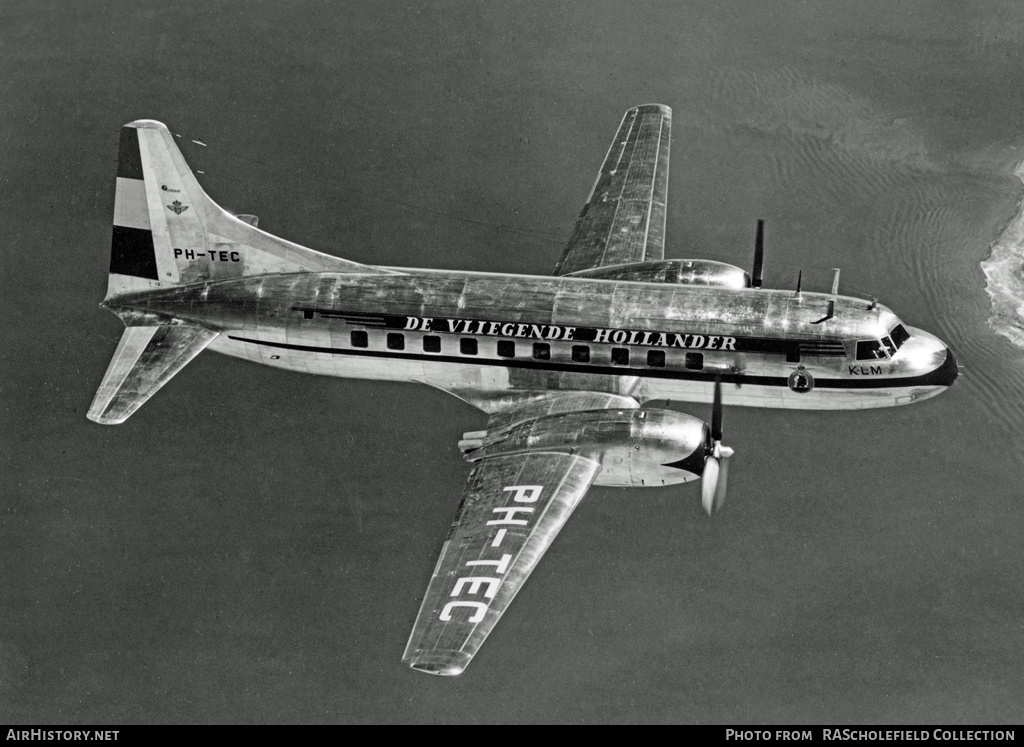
(928, 379)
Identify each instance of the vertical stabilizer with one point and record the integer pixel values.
(132, 253)
(167, 231)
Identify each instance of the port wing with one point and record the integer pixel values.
(624, 217)
(511, 511)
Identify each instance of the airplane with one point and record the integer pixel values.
(567, 367)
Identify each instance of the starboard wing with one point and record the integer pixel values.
(624, 217)
(511, 511)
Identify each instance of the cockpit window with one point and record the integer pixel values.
(869, 350)
(899, 335)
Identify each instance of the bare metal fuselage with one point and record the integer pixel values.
(561, 364)
(497, 339)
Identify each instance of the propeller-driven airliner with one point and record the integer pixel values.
(568, 368)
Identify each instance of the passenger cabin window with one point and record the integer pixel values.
(506, 349)
(869, 350)
(694, 361)
(467, 346)
(542, 351)
(656, 358)
(431, 344)
(396, 341)
(580, 354)
(359, 338)
(620, 356)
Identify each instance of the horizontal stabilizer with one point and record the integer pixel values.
(145, 360)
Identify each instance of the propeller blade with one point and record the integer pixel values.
(716, 463)
(723, 480)
(755, 282)
(709, 484)
(716, 411)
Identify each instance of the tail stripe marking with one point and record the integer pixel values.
(129, 160)
(131, 246)
(130, 207)
(131, 253)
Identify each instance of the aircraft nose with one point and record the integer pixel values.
(946, 374)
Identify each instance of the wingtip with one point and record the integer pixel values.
(652, 108)
(147, 124)
(105, 420)
(442, 663)
(101, 412)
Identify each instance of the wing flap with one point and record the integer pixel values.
(512, 509)
(624, 217)
(146, 358)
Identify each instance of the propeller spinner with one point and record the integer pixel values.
(716, 463)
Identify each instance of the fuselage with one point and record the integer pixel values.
(490, 338)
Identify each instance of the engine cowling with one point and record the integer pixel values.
(636, 448)
(678, 271)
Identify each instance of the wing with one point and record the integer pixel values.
(511, 511)
(145, 360)
(624, 218)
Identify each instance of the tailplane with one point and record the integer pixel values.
(145, 360)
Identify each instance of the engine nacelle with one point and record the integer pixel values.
(678, 271)
(636, 448)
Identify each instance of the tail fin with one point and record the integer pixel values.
(167, 231)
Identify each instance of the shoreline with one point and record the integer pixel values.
(1004, 274)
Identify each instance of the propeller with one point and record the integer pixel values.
(716, 463)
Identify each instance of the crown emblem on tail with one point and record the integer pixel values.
(177, 207)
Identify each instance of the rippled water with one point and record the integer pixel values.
(908, 220)
(867, 566)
